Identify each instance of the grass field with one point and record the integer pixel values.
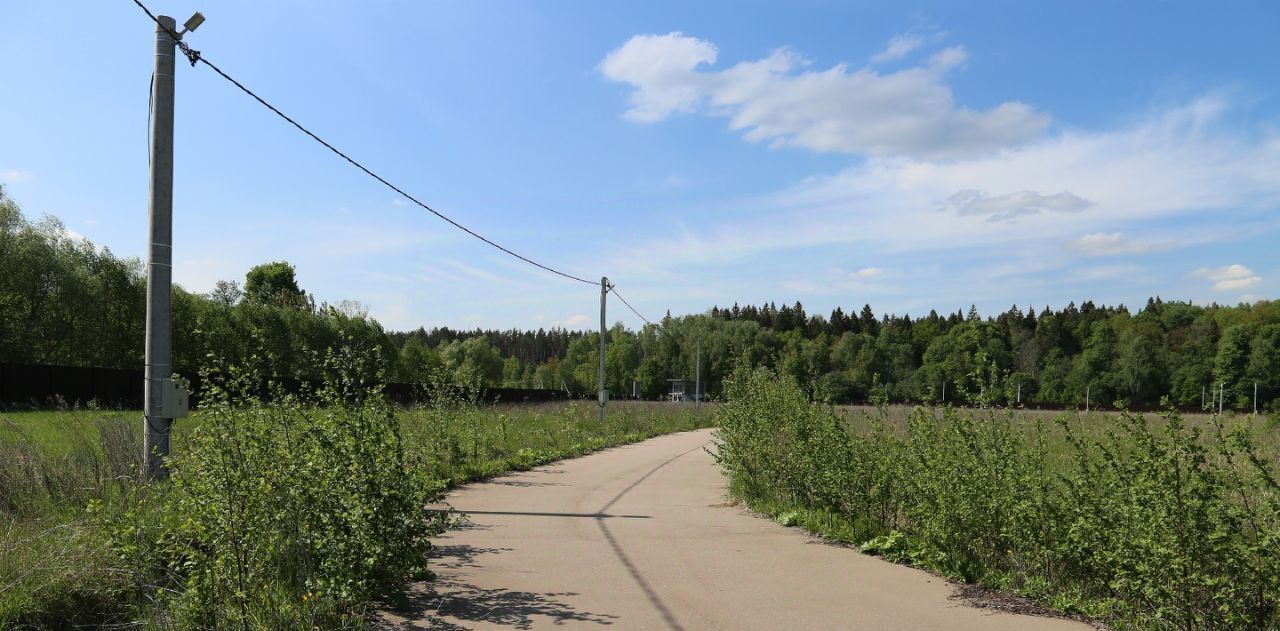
(1147, 522)
(1092, 426)
(61, 562)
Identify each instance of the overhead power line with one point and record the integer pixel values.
(195, 57)
(614, 289)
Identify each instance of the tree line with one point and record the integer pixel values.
(64, 301)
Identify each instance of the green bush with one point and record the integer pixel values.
(282, 513)
(1153, 524)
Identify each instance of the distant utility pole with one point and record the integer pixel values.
(1086, 397)
(1222, 386)
(604, 394)
(162, 399)
(944, 391)
(1201, 398)
(1255, 398)
(697, 383)
(1019, 393)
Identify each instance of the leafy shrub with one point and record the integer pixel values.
(283, 512)
(1153, 523)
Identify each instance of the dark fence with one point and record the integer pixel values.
(39, 386)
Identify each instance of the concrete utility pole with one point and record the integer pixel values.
(1222, 387)
(1019, 393)
(604, 394)
(155, 442)
(697, 377)
(944, 391)
(163, 400)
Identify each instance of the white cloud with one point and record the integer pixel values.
(900, 46)
(909, 112)
(1236, 284)
(1109, 243)
(837, 281)
(948, 59)
(662, 69)
(13, 176)
(1013, 205)
(1166, 171)
(72, 235)
(1229, 278)
(576, 321)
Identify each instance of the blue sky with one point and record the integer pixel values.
(907, 155)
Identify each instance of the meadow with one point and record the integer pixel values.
(281, 514)
(299, 511)
(1137, 520)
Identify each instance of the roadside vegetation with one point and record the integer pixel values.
(283, 511)
(1141, 520)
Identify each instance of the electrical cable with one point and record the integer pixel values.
(614, 289)
(195, 57)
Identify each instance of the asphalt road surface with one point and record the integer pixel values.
(641, 537)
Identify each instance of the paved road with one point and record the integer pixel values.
(640, 537)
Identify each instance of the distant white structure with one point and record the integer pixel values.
(681, 390)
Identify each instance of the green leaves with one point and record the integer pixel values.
(279, 497)
(1151, 523)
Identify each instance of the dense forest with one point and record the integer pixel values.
(64, 301)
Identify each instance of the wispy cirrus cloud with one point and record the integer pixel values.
(1111, 243)
(14, 176)
(839, 281)
(898, 47)
(1165, 166)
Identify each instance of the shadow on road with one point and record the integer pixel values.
(524, 483)
(450, 604)
(446, 603)
(426, 607)
(458, 556)
(667, 616)
(546, 514)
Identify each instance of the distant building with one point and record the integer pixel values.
(681, 390)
